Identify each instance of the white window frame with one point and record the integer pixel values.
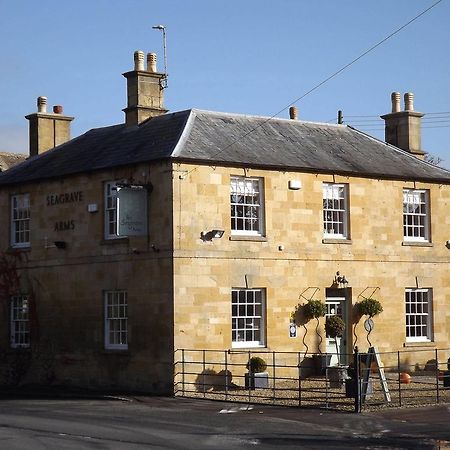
(335, 215)
(247, 198)
(20, 321)
(419, 315)
(20, 220)
(110, 210)
(248, 317)
(416, 215)
(116, 320)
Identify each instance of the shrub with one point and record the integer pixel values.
(256, 364)
(314, 309)
(334, 326)
(369, 307)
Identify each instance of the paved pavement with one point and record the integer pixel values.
(68, 420)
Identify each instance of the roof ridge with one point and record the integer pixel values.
(268, 118)
(184, 133)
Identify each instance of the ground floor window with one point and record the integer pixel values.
(20, 322)
(418, 315)
(248, 317)
(116, 320)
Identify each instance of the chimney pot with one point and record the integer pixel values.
(58, 109)
(395, 97)
(42, 104)
(151, 62)
(139, 60)
(293, 112)
(409, 101)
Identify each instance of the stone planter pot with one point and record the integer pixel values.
(258, 380)
(446, 379)
(336, 376)
(321, 362)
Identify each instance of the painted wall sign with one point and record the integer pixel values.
(132, 211)
(64, 225)
(67, 197)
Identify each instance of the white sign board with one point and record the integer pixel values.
(131, 212)
(292, 330)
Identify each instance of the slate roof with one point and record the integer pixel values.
(7, 160)
(206, 137)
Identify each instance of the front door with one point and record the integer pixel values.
(336, 346)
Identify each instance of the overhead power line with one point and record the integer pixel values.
(377, 116)
(321, 83)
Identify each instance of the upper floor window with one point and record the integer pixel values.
(246, 206)
(111, 210)
(335, 211)
(416, 219)
(20, 220)
(116, 320)
(20, 323)
(248, 317)
(418, 315)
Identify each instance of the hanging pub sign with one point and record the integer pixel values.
(132, 211)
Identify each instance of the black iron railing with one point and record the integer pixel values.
(371, 380)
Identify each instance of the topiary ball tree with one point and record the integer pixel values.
(314, 309)
(334, 327)
(369, 307)
(256, 364)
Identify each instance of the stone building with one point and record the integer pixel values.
(205, 230)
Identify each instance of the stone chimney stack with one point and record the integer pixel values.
(145, 92)
(403, 128)
(47, 130)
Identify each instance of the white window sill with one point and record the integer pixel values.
(419, 344)
(246, 347)
(247, 237)
(417, 244)
(327, 240)
(20, 246)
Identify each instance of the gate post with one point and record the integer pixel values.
(357, 381)
(182, 371)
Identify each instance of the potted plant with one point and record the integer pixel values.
(257, 377)
(369, 307)
(334, 328)
(315, 309)
(446, 376)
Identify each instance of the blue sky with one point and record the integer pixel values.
(250, 57)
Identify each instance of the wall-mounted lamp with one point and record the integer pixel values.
(217, 233)
(210, 235)
(55, 244)
(340, 280)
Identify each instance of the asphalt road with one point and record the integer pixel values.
(174, 423)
